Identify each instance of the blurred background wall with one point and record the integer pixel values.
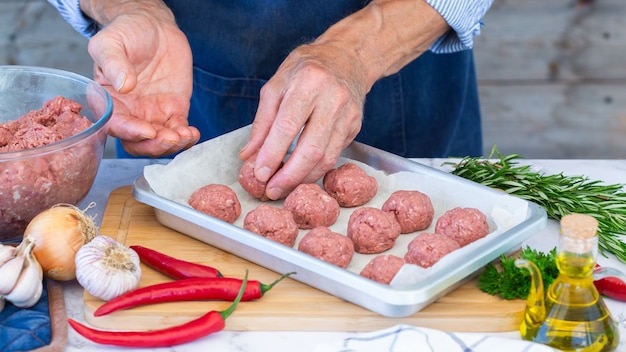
(552, 73)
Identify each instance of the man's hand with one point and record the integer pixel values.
(320, 89)
(144, 61)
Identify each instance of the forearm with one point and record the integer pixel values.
(386, 35)
(104, 11)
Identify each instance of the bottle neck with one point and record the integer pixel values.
(576, 257)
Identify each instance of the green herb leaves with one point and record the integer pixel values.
(511, 282)
(558, 194)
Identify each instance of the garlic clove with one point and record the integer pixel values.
(6, 253)
(29, 286)
(10, 272)
(107, 268)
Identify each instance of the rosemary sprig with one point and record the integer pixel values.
(558, 194)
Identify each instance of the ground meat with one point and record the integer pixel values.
(372, 230)
(250, 183)
(329, 246)
(413, 210)
(30, 185)
(350, 185)
(382, 268)
(273, 223)
(217, 200)
(464, 225)
(311, 206)
(58, 119)
(427, 248)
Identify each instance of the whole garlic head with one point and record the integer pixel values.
(107, 268)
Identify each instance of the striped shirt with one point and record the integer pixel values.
(463, 16)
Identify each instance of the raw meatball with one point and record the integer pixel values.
(250, 183)
(413, 210)
(372, 230)
(216, 200)
(273, 223)
(350, 185)
(383, 268)
(427, 248)
(329, 246)
(464, 225)
(311, 206)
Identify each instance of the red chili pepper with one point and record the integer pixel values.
(611, 287)
(210, 322)
(219, 288)
(174, 267)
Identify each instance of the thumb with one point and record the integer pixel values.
(112, 64)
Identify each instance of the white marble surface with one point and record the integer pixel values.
(115, 173)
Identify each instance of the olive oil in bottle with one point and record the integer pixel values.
(576, 318)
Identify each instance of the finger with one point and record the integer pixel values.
(129, 128)
(292, 114)
(309, 154)
(338, 142)
(188, 137)
(161, 145)
(268, 108)
(110, 57)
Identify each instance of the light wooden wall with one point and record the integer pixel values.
(552, 77)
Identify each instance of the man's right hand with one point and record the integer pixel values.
(144, 61)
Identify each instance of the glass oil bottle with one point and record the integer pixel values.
(573, 316)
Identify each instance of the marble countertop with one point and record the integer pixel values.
(116, 173)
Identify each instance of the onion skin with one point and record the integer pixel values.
(59, 232)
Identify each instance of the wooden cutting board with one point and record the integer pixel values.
(290, 305)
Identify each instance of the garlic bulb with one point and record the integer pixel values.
(29, 285)
(11, 269)
(6, 253)
(107, 268)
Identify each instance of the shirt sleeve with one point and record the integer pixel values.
(465, 19)
(71, 12)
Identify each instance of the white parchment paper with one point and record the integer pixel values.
(216, 161)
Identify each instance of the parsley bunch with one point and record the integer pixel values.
(511, 282)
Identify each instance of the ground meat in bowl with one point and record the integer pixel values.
(34, 183)
(273, 223)
(372, 230)
(427, 248)
(413, 210)
(464, 225)
(382, 268)
(350, 185)
(331, 247)
(216, 200)
(311, 206)
(58, 119)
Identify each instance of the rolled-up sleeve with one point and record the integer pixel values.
(70, 11)
(465, 19)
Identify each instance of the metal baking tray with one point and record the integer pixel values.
(387, 300)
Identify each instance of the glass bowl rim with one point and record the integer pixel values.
(69, 141)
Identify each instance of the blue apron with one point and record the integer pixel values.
(429, 109)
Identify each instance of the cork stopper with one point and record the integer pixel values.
(579, 226)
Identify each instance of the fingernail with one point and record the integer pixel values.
(264, 174)
(120, 81)
(274, 193)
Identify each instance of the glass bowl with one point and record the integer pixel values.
(37, 177)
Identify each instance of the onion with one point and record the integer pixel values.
(59, 232)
